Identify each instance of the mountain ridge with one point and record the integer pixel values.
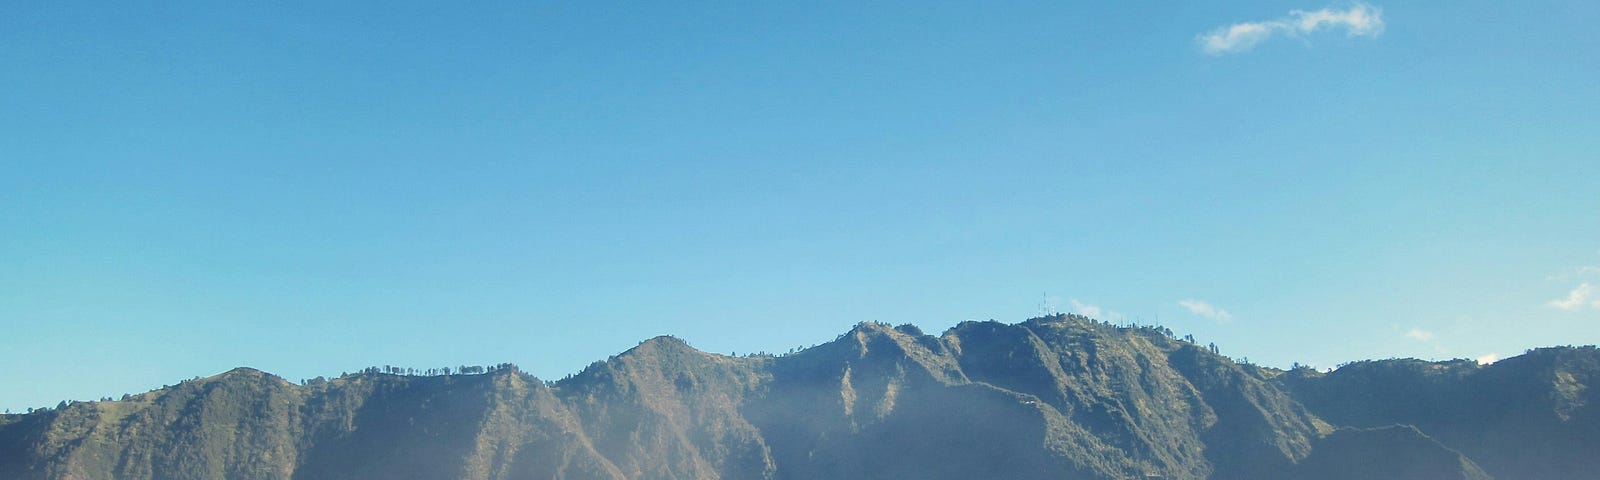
(1050, 397)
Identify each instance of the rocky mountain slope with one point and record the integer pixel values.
(1532, 416)
(1054, 397)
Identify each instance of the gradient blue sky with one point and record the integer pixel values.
(310, 189)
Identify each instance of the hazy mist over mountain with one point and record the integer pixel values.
(1053, 397)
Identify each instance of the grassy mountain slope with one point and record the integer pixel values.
(1532, 416)
(1055, 397)
(1386, 452)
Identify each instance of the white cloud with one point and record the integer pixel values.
(1419, 334)
(1360, 20)
(1235, 38)
(1091, 311)
(1488, 358)
(1207, 310)
(1582, 271)
(1577, 298)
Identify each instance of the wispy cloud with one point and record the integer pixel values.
(1581, 271)
(1360, 20)
(1087, 310)
(1580, 297)
(1205, 309)
(1488, 358)
(1419, 334)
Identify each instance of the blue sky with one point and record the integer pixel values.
(310, 189)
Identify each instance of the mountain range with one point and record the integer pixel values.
(1057, 397)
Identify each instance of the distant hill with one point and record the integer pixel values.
(1054, 397)
(1533, 416)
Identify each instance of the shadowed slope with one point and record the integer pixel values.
(1055, 397)
(1533, 416)
(1387, 452)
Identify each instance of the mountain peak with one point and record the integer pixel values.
(1049, 397)
(238, 374)
(243, 371)
(661, 345)
(666, 341)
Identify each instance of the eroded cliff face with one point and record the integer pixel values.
(1055, 397)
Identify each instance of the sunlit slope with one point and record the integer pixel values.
(1054, 397)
